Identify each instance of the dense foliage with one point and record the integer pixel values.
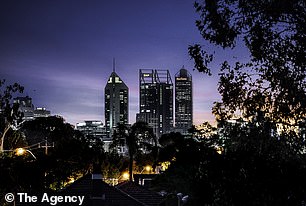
(273, 80)
(256, 154)
(139, 140)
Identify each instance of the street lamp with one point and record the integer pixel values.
(22, 151)
(125, 176)
(147, 168)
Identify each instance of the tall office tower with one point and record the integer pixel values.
(156, 100)
(116, 103)
(183, 101)
(26, 107)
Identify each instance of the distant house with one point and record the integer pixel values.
(99, 193)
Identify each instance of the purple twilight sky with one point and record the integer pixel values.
(61, 51)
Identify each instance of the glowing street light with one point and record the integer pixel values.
(147, 168)
(125, 176)
(22, 151)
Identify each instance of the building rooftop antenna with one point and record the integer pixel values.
(114, 64)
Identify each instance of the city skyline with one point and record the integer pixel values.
(62, 51)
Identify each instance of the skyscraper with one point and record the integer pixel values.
(156, 100)
(183, 101)
(116, 102)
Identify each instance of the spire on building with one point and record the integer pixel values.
(114, 64)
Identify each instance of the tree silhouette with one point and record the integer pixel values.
(273, 80)
(261, 160)
(138, 138)
(71, 154)
(263, 152)
(9, 113)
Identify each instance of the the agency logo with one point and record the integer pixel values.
(45, 198)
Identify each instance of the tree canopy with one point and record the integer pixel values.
(71, 154)
(139, 138)
(256, 154)
(273, 80)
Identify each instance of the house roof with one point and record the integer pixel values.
(99, 193)
(145, 196)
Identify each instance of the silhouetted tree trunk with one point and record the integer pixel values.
(140, 135)
(131, 162)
